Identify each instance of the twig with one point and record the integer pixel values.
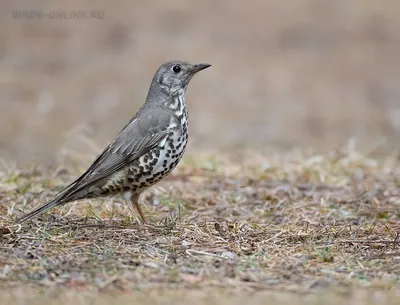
(362, 241)
(205, 253)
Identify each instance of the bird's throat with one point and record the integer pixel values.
(178, 106)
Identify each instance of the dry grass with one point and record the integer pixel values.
(213, 297)
(247, 222)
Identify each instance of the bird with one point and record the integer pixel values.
(145, 151)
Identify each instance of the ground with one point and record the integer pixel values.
(291, 226)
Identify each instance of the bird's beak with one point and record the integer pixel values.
(199, 67)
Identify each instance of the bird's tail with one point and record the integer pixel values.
(39, 210)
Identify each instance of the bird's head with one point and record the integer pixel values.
(174, 76)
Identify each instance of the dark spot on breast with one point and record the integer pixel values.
(134, 170)
(127, 188)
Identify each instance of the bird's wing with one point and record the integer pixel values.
(140, 135)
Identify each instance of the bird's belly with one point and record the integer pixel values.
(157, 163)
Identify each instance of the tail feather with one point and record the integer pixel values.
(40, 210)
(62, 197)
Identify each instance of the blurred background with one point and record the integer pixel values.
(305, 73)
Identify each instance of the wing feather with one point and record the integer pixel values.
(138, 137)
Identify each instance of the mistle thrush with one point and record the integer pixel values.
(145, 151)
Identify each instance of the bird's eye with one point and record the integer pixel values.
(176, 69)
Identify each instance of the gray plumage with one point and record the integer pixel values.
(146, 149)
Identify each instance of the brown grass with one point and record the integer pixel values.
(243, 223)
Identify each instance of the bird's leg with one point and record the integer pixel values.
(134, 200)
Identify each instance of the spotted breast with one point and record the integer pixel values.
(160, 161)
